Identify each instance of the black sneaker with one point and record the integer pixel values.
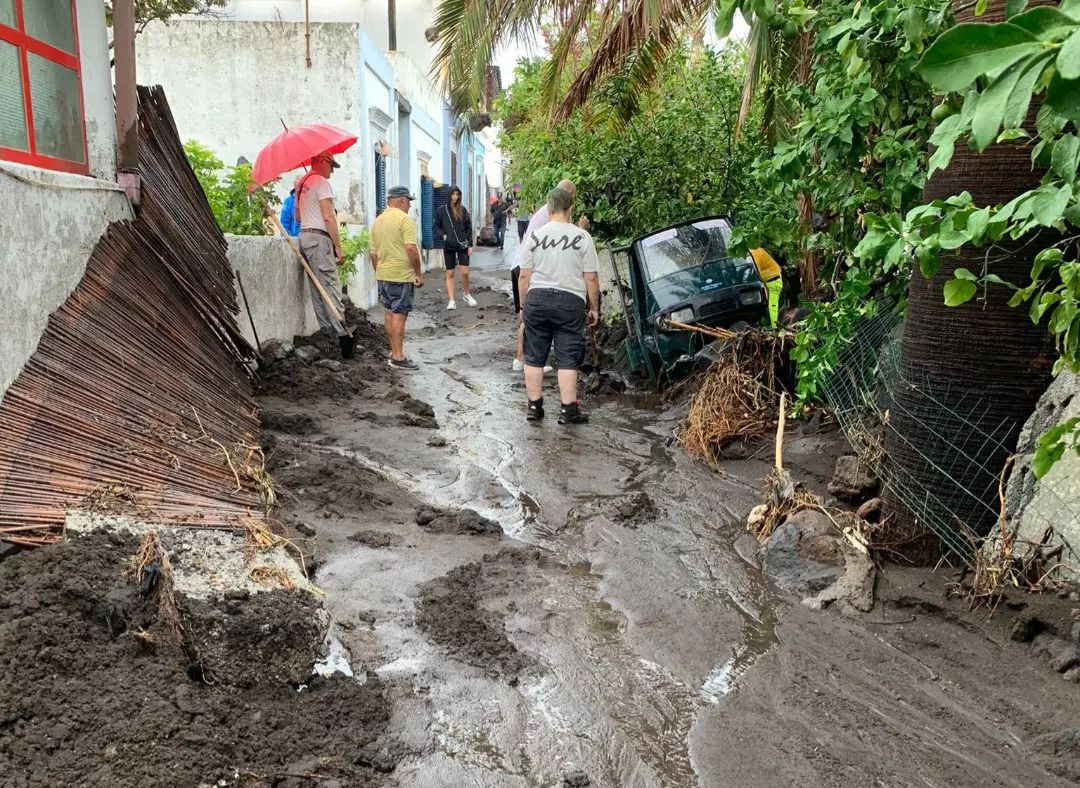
(571, 414)
(405, 363)
(536, 410)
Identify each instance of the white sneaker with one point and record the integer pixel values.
(517, 366)
(470, 300)
(452, 305)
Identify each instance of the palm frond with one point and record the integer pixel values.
(652, 26)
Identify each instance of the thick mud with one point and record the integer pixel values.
(94, 695)
(457, 521)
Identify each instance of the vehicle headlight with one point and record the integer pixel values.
(684, 315)
(750, 297)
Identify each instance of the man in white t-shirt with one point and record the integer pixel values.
(561, 290)
(319, 240)
(538, 220)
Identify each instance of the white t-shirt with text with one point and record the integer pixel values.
(560, 254)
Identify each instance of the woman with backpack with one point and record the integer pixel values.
(454, 225)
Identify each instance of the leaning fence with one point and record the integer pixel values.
(945, 484)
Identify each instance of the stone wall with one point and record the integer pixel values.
(1054, 500)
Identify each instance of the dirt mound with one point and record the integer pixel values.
(88, 699)
(449, 611)
(635, 510)
(326, 479)
(1058, 752)
(375, 539)
(456, 521)
(296, 423)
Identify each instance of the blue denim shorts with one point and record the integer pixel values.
(397, 296)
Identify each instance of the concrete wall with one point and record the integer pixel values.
(276, 287)
(413, 16)
(52, 220)
(51, 223)
(235, 104)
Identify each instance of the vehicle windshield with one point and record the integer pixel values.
(691, 246)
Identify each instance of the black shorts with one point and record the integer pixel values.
(452, 258)
(554, 317)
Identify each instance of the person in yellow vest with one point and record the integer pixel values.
(770, 273)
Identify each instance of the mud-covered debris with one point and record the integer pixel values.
(307, 353)
(273, 351)
(330, 364)
(636, 509)
(1025, 628)
(412, 420)
(437, 442)
(295, 423)
(417, 407)
(456, 521)
(873, 511)
(449, 611)
(306, 529)
(804, 555)
(375, 539)
(326, 478)
(576, 780)
(102, 699)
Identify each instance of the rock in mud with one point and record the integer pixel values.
(307, 353)
(449, 611)
(306, 529)
(852, 480)
(1058, 752)
(330, 364)
(94, 699)
(456, 521)
(576, 780)
(873, 511)
(804, 555)
(375, 539)
(1026, 628)
(437, 442)
(273, 351)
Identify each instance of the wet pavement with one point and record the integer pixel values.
(646, 652)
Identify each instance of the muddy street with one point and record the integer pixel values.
(581, 606)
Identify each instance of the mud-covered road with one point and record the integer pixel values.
(611, 634)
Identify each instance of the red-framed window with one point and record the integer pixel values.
(42, 119)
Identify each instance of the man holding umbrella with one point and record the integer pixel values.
(319, 240)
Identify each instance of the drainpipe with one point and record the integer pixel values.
(307, 32)
(391, 18)
(127, 100)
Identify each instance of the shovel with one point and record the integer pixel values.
(348, 341)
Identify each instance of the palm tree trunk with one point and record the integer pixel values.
(969, 376)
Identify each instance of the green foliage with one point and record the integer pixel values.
(993, 72)
(353, 245)
(677, 158)
(226, 188)
(858, 149)
(147, 11)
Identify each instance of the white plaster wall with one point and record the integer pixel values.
(414, 17)
(230, 85)
(415, 84)
(51, 223)
(97, 89)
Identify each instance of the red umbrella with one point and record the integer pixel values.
(296, 147)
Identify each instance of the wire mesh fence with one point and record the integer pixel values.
(945, 475)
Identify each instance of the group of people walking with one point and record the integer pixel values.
(556, 284)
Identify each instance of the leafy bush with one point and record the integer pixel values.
(226, 189)
(352, 247)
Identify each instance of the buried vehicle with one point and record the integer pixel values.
(685, 274)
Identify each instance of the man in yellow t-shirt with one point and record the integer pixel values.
(395, 256)
(770, 273)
